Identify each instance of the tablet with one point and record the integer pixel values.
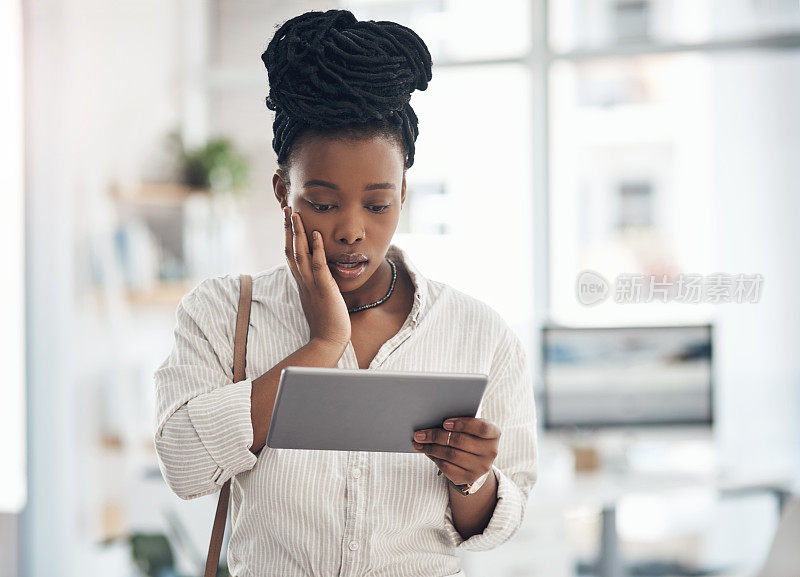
(367, 410)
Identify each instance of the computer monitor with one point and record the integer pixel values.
(627, 376)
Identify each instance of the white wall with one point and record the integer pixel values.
(105, 81)
(12, 290)
(101, 88)
(757, 175)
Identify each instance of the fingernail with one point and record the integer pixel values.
(419, 436)
(448, 424)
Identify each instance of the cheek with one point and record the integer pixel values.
(393, 221)
(309, 219)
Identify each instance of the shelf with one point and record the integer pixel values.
(155, 194)
(163, 294)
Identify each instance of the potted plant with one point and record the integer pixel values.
(216, 166)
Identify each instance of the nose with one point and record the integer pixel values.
(349, 228)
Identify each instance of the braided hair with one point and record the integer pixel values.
(333, 75)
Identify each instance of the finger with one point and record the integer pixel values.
(456, 473)
(287, 225)
(302, 253)
(475, 426)
(464, 459)
(463, 441)
(319, 262)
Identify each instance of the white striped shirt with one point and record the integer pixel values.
(347, 513)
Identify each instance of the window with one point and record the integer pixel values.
(631, 181)
(468, 193)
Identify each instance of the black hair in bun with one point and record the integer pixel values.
(333, 73)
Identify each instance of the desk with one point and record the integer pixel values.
(604, 489)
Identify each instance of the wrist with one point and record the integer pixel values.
(471, 488)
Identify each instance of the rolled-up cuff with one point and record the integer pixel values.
(505, 521)
(222, 420)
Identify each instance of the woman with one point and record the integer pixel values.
(346, 297)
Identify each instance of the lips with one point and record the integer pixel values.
(347, 258)
(347, 272)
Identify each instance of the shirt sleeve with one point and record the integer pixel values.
(509, 403)
(203, 426)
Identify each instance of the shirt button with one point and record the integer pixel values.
(353, 545)
(356, 473)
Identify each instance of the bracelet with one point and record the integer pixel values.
(467, 489)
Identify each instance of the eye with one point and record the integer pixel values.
(376, 208)
(317, 207)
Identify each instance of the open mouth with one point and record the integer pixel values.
(348, 270)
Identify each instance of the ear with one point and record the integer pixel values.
(280, 188)
(403, 191)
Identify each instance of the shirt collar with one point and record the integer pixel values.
(419, 281)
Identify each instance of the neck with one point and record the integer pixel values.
(375, 288)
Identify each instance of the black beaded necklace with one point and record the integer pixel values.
(385, 297)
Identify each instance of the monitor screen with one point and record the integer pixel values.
(627, 376)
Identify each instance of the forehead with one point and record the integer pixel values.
(349, 161)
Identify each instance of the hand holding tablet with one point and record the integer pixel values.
(464, 448)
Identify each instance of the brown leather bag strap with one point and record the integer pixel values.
(239, 345)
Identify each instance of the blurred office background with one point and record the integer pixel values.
(649, 137)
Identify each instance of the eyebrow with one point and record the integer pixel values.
(325, 183)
